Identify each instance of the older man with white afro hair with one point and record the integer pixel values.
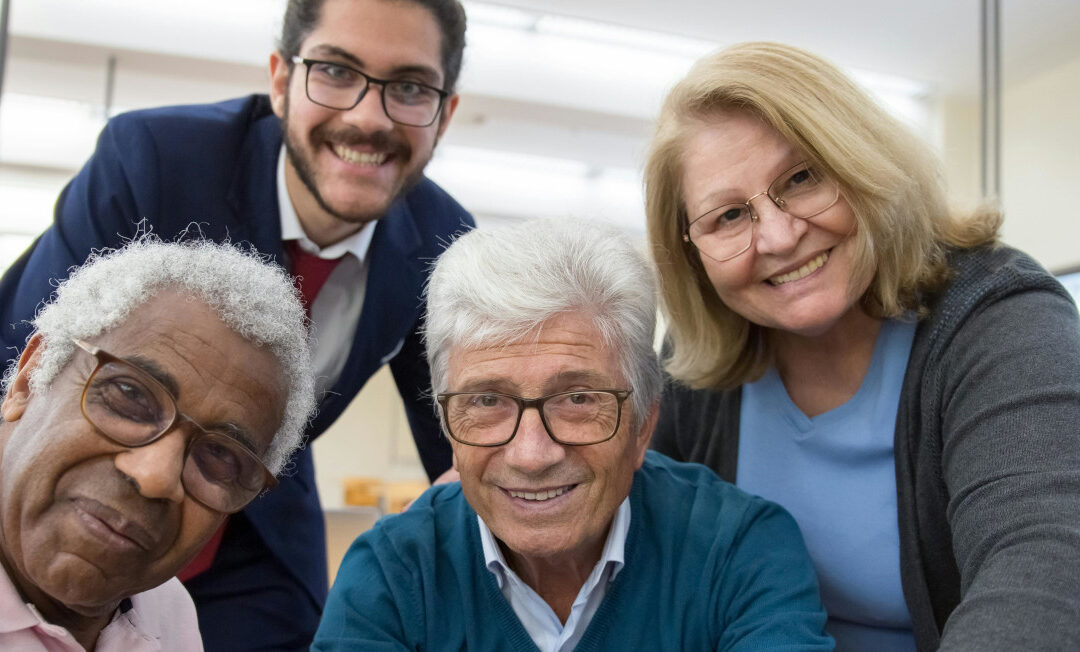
(165, 385)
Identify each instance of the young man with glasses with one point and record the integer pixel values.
(565, 532)
(326, 175)
(139, 416)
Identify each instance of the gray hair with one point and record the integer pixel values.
(496, 286)
(252, 296)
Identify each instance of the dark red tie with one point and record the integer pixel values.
(310, 273)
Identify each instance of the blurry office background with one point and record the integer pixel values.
(558, 98)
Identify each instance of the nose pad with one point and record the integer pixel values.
(157, 468)
(532, 450)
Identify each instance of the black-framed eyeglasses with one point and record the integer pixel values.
(337, 86)
(574, 418)
(130, 407)
(722, 233)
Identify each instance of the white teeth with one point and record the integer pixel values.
(360, 158)
(802, 271)
(539, 495)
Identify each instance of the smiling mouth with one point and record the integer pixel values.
(540, 496)
(367, 159)
(810, 267)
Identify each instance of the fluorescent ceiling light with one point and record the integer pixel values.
(499, 16)
(597, 32)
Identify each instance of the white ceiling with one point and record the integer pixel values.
(932, 41)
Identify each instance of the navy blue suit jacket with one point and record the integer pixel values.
(216, 165)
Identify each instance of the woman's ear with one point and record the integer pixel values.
(18, 394)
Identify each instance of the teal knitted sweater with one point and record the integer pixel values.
(708, 567)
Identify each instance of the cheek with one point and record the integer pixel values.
(197, 525)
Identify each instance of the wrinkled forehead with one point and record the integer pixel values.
(565, 350)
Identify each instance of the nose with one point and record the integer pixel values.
(368, 114)
(532, 451)
(778, 232)
(157, 468)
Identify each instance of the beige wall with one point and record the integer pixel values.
(1041, 164)
(371, 438)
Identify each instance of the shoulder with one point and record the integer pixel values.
(219, 116)
(983, 277)
(692, 499)
(167, 613)
(439, 519)
(204, 128)
(983, 273)
(436, 212)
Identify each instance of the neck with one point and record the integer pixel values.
(84, 628)
(319, 226)
(823, 371)
(556, 578)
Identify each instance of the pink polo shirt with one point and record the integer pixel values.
(162, 618)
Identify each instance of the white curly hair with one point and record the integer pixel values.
(252, 296)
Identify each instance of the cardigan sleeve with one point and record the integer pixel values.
(1009, 389)
(373, 594)
(768, 595)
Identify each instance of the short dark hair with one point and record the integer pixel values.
(301, 17)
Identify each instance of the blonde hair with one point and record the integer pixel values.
(888, 176)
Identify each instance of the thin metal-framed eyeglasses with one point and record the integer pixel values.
(801, 191)
(574, 418)
(341, 87)
(130, 407)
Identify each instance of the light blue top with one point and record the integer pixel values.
(835, 473)
(536, 616)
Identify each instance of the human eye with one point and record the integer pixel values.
(720, 220)
(410, 92)
(124, 396)
(571, 404)
(803, 178)
(332, 73)
(217, 461)
(486, 402)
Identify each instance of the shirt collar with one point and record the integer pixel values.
(356, 244)
(613, 553)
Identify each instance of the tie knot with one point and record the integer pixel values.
(310, 271)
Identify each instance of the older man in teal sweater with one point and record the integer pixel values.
(564, 533)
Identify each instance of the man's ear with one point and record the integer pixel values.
(279, 82)
(645, 436)
(18, 394)
(449, 106)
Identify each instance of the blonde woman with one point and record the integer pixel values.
(843, 344)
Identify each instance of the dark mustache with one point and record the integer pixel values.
(378, 140)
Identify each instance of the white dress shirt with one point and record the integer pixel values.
(335, 313)
(538, 618)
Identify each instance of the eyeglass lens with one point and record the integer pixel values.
(727, 231)
(132, 408)
(486, 419)
(341, 87)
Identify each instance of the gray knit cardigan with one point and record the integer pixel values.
(987, 449)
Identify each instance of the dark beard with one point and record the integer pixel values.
(306, 174)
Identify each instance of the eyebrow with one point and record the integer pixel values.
(432, 76)
(498, 384)
(157, 372)
(711, 199)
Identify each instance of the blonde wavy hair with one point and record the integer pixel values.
(888, 176)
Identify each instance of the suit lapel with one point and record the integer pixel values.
(253, 194)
